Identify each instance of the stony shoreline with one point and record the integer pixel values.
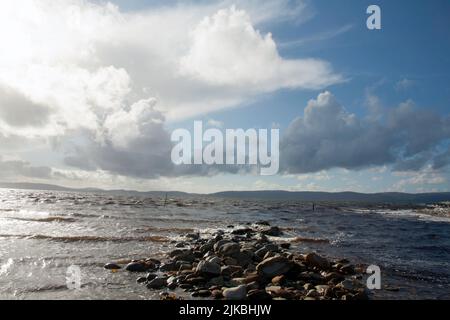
(247, 264)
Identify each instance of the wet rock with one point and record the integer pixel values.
(237, 293)
(273, 232)
(348, 269)
(312, 293)
(346, 285)
(322, 288)
(193, 236)
(138, 267)
(112, 266)
(170, 266)
(220, 243)
(185, 266)
(334, 277)
(242, 231)
(181, 245)
(317, 261)
(203, 293)
(229, 249)
(263, 223)
(252, 286)
(285, 245)
(157, 283)
(182, 255)
(217, 281)
(208, 268)
(228, 261)
(214, 259)
(217, 294)
(150, 276)
(273, 267)
(229, 270)
(258, 295)
(278, 280)
(141, 280)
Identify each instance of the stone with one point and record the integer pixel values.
(219, 243)
(273, 232)
(312, 294)
(285, 245)
(348, 269)
(157, 283)
(321, 289)
(214, 259)
(258, 295)
(217, 294)
(346, 285)
(208, 268)
(193, 236)
(229, 270)
(317, 261)
(170, 266)
(278, 280)
(138, 267)
(273, 267)
(229, 249)
(242, 231)
(150, 276)
(112, 266)
(237, 293)
(141, 280)
(263, 223)
(203, 293)
(334, 277)
(217, 281)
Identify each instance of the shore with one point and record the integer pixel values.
(251, 263)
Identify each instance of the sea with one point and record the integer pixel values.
(44, 235)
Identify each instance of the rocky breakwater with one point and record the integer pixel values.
(244, 264)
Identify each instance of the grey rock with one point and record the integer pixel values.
(208, 268)
(157, 283)
(237, 293)
(273, 267)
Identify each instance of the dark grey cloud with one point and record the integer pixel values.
(20, 169)
(327, 137)
(18, 111)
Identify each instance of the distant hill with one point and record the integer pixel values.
(51, 187)
(388, 197)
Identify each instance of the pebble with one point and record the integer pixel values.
(112, 266)
(237, 293)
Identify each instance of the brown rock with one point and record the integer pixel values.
(273, 267)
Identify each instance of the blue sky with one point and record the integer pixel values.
(389, 78)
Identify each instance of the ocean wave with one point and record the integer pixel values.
(68, 239)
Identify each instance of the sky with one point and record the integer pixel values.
(90, 92)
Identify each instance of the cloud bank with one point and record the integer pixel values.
(327, 136)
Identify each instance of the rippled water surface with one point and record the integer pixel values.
(42, 233)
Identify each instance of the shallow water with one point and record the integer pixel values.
(42, 233)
